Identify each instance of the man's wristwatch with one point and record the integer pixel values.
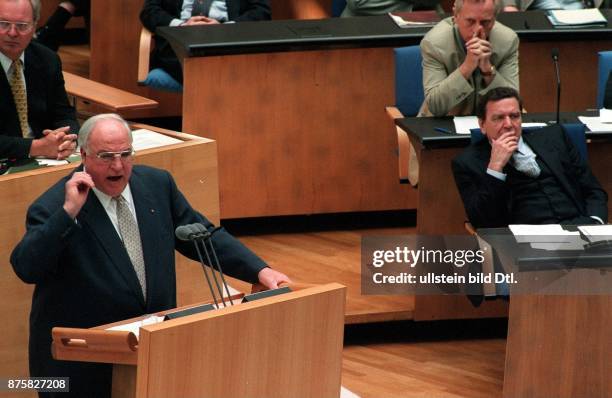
(491, 72)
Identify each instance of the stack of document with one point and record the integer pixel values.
(598, 124)
(576, 18)
(550, 237)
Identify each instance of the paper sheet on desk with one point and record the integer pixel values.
(146, 139)
(526, 233)
(601, 123)
(596, 233)
(134, 327)
(463, 124)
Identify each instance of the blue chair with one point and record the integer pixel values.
(574, 131)
(408, 99)
(337, 7)
(156, 78)
(604, 67)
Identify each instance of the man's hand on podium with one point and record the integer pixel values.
(269, 279)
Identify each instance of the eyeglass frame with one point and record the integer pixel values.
(123, 156)
(28, 27)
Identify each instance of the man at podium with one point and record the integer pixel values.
(100, 245)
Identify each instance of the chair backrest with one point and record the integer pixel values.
(409, 94)
(575, 132)
(337, 7)
(604, 67)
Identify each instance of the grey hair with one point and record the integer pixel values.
(35, 10)
(459, 3)
(90, 124)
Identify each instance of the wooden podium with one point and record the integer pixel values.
(288, 345)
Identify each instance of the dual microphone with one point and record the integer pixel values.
(202, 241)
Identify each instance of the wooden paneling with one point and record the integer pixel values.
(559, 346)
(115, 33)
(193, 165)
(299, 132)
(284, 346)
(578, 67)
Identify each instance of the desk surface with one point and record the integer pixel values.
(423, 130)
(296, 35)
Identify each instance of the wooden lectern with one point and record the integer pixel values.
(288, 345)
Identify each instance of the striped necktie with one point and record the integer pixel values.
(19, 96)
(201, 7)
(130, 235)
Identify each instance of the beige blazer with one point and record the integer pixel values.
(447, 92)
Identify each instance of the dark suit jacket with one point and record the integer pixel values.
(83, 274)
(48, 106)
(487, 199)
(156, 13)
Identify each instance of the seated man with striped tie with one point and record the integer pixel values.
(156, 13)
(524, 177)
(100, 248)
(35, 116)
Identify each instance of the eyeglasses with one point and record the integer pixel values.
(21, 27)
(109, 157)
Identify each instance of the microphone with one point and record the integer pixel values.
(201, 237)
(555, 57)
(187, 233)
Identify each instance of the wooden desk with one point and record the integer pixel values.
(298, 106)
(560, 322)
(194, 167)
(289, 345)
(108, 98)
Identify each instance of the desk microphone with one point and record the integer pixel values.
(202, 241)
(555, 57)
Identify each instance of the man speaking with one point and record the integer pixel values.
(100, 248)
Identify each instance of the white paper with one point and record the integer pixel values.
(463, 124)
(134, 327)
(596, 233)
(50, 162)
(596, 124)
(526, 233)
(605, 115)
(578, 17)
(576, 244)
(146, 139)
(534, 124)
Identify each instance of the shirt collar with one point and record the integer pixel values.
(7, 62)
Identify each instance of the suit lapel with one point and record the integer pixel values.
(149, 227)
(540, 142)
(94, 217)
(31, 73)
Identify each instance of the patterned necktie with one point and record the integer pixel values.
(201, 7)
(131, 240)
(20, 98)
(526, 164)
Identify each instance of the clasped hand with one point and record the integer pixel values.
(478, 50)
(55, 144)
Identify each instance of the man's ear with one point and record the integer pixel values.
(480, 124)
